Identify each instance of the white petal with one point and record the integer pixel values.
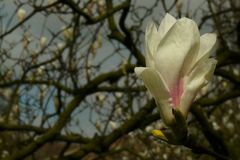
(167, 22)
(148, 54)
(165, 111)
(180, 41)
(153, 82)
(158, 90)
(151, 42)
(151, 36)
(198, 78)
(154, 36)
(207, 43)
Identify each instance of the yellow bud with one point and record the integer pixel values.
(159, 134)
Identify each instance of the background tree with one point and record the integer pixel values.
(68, 90)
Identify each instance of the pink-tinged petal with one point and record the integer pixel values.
(154, 82)
(176, 49)
(198, 78)
(167, 22)
(158, 89)
(176, 93)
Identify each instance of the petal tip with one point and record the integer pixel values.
(169, 16)
(139, 70)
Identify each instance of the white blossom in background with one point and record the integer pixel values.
(51, 2)
(8, 75)
(119, 94)
(43, 41)
(177, 151)
(14, 114)
(144, 153)
(179, 5)
(60, 46)
(55, 64)
(177, 64)
(100, 97)
(238, 117)
(43, 87)
(101, 2)
(148, 128)
(43, 91)
(67, 33)
(159, 125)
(236, 71)
(230, 111)
(21, 14)
(225, 119)
(98, 125)
(113, 125)
(118, 110)
(6, 92)
(85, 10)
(212, 117)
(165, 156)
(99, 40)
(189, 158)
(5, 153)
(40, 71)
(26, 40)
(125, 158)
(101, 6)
(230, 127)
(215, 126)
(93, 48)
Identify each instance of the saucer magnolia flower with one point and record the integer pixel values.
(177, 64)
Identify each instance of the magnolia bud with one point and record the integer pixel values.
(99, 40)
(119, 94)
(118, 111)
(43, 41)
(40, 70)
(98, 125)
(26, 40)
(100, 97)
(236, 71)
(113, 125)
(93, 48)
(179, 5)
(68, 33)
(230, 126)
(21, 14)
(51, 2)
(148, 129)
(60, 46)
